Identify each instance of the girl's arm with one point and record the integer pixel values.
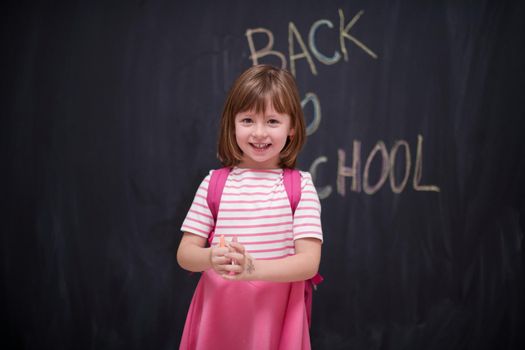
(299, 267)
(193, 255)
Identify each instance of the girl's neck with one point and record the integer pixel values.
(259, 166)
(256, 168)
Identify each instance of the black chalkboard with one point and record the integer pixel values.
(415, 113)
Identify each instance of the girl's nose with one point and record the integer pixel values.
(259, 130)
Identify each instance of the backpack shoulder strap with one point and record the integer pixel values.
(215, 187)
(292, 184)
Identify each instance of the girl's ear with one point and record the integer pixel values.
(291, 133)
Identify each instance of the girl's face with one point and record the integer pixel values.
(261, 137)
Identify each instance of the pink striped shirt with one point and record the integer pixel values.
(255, 208)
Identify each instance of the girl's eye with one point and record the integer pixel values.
(273, 122)
(246, 120)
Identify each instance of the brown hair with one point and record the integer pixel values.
(251, 91)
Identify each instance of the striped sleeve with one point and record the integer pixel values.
(307, 217)
(199, 219)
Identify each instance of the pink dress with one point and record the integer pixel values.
(246, 315)
(242, 315)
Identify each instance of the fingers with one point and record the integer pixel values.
(237, 247)
(218, 259)
(233, 269)
(229, 261)
(237, 258)
(217, 253)
(219, 250)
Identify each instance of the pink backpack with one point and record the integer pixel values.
(292, 184)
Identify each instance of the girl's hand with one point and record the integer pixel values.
(218, 260)
(243, 264)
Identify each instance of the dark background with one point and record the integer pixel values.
(109, 122)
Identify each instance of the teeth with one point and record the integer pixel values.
(260, 145)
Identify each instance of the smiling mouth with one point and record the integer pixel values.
(261, 146)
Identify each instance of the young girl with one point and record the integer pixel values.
(251, 294)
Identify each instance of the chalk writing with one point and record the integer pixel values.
(379, 147)
(294, 36)
(354, 171)
(393, 153)
(322, 192)
(312, 43)
(343, 34)
(314, 125)
(418, 171)
(388, 164)
(360, 178)
(361, 182)
(265, 51)
(294, 33)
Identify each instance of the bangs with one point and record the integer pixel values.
(256, 97)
